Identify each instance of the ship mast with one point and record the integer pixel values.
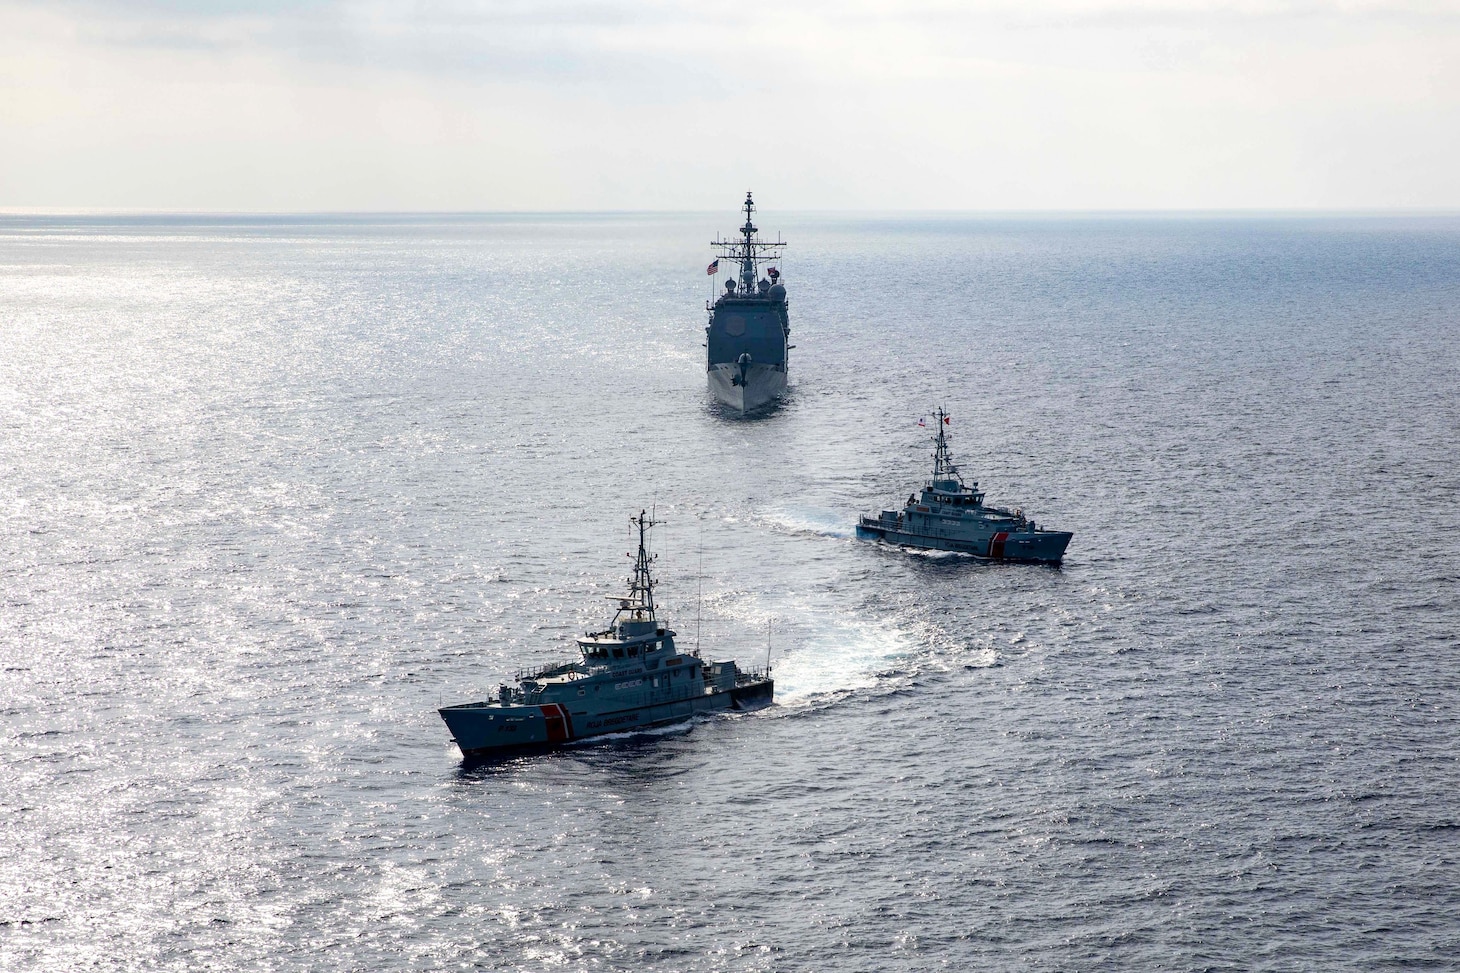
(747, 251)
(943, 465)
(641, 586)
(747, 262)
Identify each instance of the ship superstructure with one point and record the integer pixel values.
(628, 676)
(949, 515)
(747, 338)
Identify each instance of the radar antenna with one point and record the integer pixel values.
(748, 252)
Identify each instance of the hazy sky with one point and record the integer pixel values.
(641, 104)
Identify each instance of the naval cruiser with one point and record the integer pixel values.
(949, 515)
(628, 677)
(746, 339)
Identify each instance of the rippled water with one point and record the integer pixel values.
(273, 490)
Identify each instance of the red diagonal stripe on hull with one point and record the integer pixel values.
(557, 722)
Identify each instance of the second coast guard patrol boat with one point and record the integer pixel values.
(628, 676)
(949, 515)
(747, 338)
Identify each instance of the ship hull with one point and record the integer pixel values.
(486, 730)
(1043, 546)
(763, 385)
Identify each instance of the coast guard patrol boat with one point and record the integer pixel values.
(629, 676)
(746, 339)
(949, 515)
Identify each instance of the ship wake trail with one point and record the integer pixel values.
(810, 520)
(819, 650)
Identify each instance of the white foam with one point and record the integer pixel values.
(841, 656)
(669, 729)
(820, 648)
(810, 520)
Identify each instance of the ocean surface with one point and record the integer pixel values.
(274, 489)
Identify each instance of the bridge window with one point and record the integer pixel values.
(618, 653)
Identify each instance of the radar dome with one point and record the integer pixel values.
(778, 292)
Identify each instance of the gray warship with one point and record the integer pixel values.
(949, 515)
(629, 676)
(746, 339)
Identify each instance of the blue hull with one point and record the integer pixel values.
(485, 729)
(1044, 546)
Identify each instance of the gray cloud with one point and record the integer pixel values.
(970, 103)
(646, 44)
(570, 42)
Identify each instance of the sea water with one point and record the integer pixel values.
(274, 489)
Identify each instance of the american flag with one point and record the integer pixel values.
(714, 267)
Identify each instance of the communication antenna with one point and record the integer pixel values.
(700, 594)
